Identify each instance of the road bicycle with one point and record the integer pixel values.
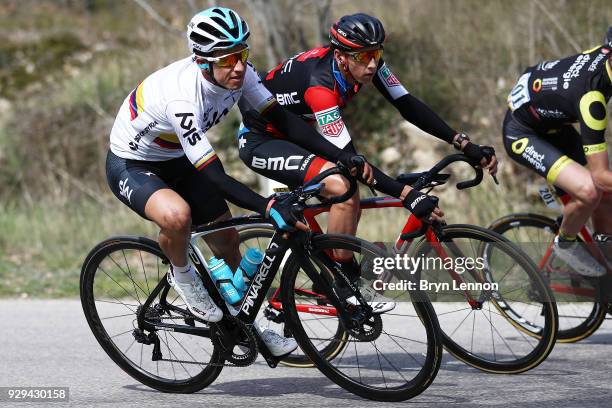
(508, 330)
(581, 312)
(142, 325)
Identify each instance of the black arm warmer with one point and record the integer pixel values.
(420, 115)
(304, 135)
(233, 190)
(384, 183)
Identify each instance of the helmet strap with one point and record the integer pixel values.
(210, 75)
(345, 71)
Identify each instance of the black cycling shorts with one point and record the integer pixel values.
(278, 159)
(545, 152)
(134, 181)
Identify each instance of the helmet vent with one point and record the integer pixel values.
(199, 39)
(211, 30)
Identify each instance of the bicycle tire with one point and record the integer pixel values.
(594, 318)
(424, 316)
(488, 361)
(89, 270)
(295, 359)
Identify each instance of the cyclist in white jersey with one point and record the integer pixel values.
(163, 167)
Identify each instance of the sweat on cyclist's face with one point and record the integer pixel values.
(229, 66)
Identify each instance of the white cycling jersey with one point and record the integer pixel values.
(169, 113)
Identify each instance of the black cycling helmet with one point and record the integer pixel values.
(608, 39)
(357, 31)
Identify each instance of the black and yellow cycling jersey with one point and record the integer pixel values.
(547, 99)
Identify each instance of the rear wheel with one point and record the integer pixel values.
(579, 314)
(117, 278)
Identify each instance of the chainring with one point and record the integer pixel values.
(369, 330)
(247, 343)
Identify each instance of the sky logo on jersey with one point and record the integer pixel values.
(388, 77)
(330, 122)
(125, 190)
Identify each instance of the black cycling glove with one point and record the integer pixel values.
(282, 213)
(478, 152)
(420, 204)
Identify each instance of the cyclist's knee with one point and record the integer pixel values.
(335, 185)
(176, 217)
(588, 195)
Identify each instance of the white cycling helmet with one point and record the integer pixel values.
(216, 28)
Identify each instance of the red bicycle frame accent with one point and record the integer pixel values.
(400, 246)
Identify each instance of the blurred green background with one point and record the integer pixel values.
(67, 65)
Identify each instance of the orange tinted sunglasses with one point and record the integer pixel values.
(365, 57)
(230, 60)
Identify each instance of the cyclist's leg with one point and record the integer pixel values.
(290, 164)
(542, 155)
(146, 187)
(575, 179)
(207, 205)
(142, 186)
(343, 217)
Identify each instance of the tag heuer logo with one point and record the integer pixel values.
(389, 78)
(330, 122)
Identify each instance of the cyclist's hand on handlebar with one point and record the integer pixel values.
(361, 169)
(483, 154)
(423, 206)
(282, 213)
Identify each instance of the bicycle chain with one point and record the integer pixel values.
(235, 360)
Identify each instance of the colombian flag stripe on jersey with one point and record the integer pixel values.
(206, 159)
(136, 102)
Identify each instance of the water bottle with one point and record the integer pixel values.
(239, 283)
(250, 262)
(223, 277)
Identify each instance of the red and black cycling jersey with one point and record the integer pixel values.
(311, 86)
(574, 89)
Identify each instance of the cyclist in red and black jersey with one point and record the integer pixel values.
(538, 133)
(316, 85)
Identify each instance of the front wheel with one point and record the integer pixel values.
(392, 356)
(495, 311)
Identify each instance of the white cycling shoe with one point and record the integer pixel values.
(277, 344)
(196, 299)
(576, 256)
(378, 303)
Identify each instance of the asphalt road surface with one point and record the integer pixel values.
(48, 343)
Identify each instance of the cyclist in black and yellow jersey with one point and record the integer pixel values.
(538, 133)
